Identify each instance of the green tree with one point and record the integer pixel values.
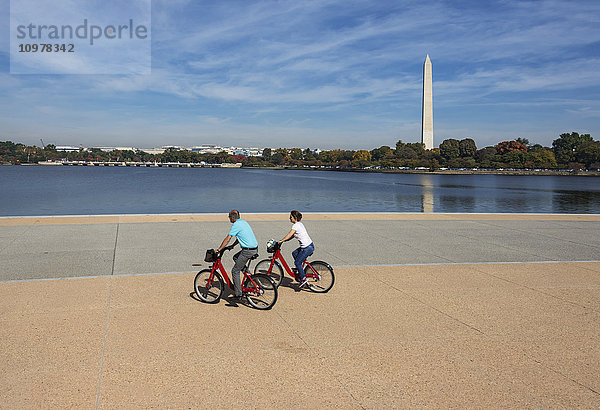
(222, 157)
(564, 147)
(381, 153)
(399, 145)
(253, 161)
(277, 158)
(409, 150)
(449, 149)
(515, 159)
(588, 153)
(467, 148)
(417, 147)
(345, 155)
(282, 151)
(127, 155)
(266, 154)
(308, 155)
(486, 156)
(543, 158)
(535, 148)
(296, 153)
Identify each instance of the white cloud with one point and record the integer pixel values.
(315, 65)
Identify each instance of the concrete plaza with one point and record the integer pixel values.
(427, 310)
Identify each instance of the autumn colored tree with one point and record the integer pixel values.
(240, 158)
(510, 146)
(329, 157)
(361, 158)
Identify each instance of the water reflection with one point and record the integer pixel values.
(575, 201)
(456, 203)
(427, 198)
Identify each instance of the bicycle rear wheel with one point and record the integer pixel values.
(209, 292)
(276, 272)
(319, 275)
(260, 291)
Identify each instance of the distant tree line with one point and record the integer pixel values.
(568, 151)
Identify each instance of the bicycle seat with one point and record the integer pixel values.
(254, 257)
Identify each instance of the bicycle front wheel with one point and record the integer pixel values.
(319, 275)
(276, 272)
(208, 289)
(260, 291)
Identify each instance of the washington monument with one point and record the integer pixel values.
(427, 115)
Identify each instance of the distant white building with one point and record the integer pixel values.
(248, 152)
(201, 149)
(255, 152)
(109, 149)
(175, 147)
(207, 149)
(153, 151)
(67, 148)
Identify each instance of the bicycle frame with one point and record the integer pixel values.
(218, 266)
(278, 255)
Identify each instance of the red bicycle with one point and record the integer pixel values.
(318, 273)
(259, 290)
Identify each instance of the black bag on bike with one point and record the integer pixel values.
(211, 256)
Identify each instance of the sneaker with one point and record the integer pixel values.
(303, 283)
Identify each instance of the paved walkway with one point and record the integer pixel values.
(463, 329)
(38, 248)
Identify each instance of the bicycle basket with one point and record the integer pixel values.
(211, 256)
(271, 245)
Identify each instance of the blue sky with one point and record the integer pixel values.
(326, 74)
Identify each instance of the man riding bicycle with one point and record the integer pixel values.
(245, 237)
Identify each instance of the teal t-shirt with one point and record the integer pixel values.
(242, 231)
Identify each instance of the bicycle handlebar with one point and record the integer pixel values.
(274, 248)
(220, 254)
(227, 248)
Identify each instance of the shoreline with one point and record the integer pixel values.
(30, 220)
(511, 172)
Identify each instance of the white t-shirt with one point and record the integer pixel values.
(301, 234)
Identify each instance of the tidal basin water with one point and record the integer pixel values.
(62, 190)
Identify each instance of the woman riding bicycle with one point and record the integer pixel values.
(306, 248)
